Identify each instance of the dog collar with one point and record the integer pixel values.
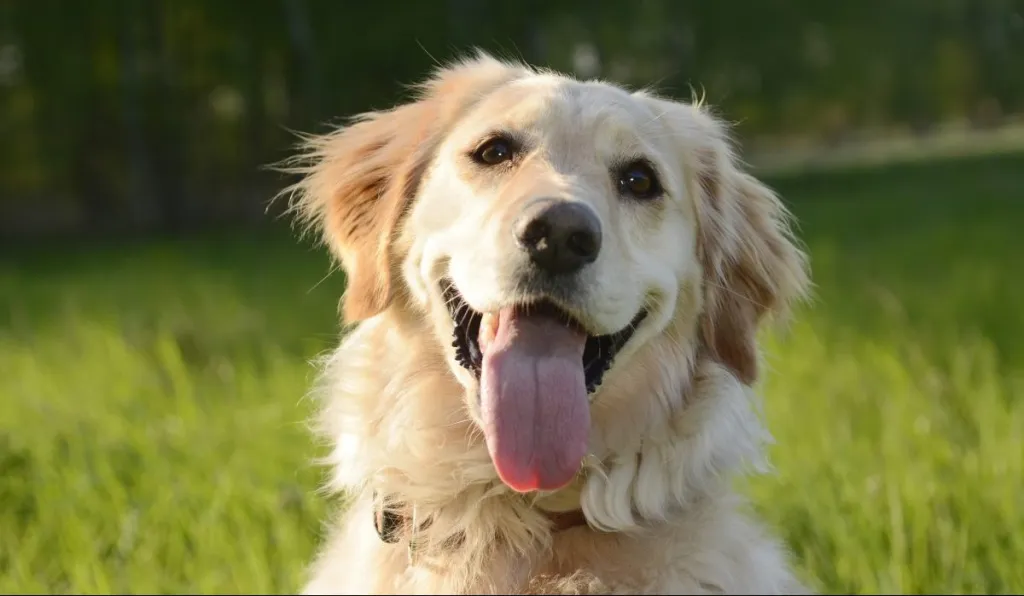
(393, 520)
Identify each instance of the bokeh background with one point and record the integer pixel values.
(158, 315)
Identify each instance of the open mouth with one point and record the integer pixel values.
(599, 351)
(537, 367)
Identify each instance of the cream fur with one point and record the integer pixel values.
(676, 418)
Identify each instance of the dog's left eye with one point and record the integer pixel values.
(639, 181)
(495, 151)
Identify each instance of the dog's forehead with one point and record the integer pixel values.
(562, 112)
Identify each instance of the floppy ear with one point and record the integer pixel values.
(357, 185)
(358, 181)
(752, 265)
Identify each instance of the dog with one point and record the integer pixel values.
(554, 289)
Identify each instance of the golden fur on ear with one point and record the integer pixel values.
(358, 181)
(752, 265)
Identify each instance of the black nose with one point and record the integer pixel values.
(560, 236)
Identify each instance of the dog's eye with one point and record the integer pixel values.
(639, 181)
(495, 151)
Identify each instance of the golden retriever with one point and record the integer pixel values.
(555, 288)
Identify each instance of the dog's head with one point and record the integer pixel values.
(549, 231)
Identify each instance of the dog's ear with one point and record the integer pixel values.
(752, 264)
(358, 181)
(356, 188)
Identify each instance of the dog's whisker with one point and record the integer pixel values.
(331, 269)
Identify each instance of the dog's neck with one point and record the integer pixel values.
(396, 521)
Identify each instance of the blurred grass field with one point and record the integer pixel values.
(152, 411)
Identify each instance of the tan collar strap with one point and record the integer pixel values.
(393, 521)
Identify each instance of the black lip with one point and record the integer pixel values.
(598, 354)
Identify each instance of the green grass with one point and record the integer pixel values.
(152, 434)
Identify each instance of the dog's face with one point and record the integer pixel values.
(548, 230)
(558, 192)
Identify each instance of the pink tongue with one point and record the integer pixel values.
(534, 401)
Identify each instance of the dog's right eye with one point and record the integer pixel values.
(638, 180)
(495, 151)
